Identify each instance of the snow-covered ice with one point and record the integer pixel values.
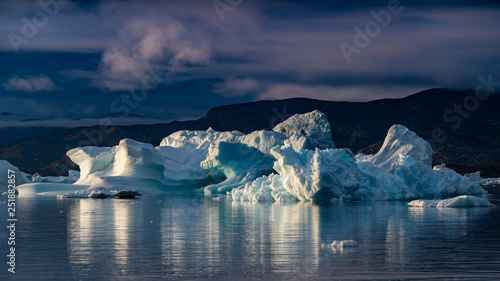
(459, 201)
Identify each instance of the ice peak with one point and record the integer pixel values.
(313, 125)
(401, 141)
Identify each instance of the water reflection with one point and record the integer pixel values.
(193, 237)
(202, 236)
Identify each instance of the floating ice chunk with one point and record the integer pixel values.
(476, 177)
(72, 177)
(400, 141)
(459, 201)
(87, 193)
(219, 198)
(456, 184)
(340, 244)
(51, 189)
(239, 163)
(313, 125)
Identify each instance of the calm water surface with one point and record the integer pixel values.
(186, 237)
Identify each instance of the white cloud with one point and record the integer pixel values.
(145, 43)
(236, 87)
(29, 84)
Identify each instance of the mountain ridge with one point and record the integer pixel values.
(360, 126)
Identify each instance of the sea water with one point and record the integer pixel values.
(181, 237)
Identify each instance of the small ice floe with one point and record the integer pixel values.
(337, 200)
(220, 198)
(340, 244)
(459, 201)
(86, 193)
(16, 192)
(127, 194)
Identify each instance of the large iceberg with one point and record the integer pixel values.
(295, 161)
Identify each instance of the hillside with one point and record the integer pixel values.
(360, 126)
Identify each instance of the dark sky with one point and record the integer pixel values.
(176, 59)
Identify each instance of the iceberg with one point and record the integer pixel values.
(49, 189)
(340, 244)
(476, 177)
(20, 177)
(401, 170)
(459, 201)
(297, 161)
(73, 176)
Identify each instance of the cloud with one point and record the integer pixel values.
(236, 87)
(348, 93)
(146, 43)
(29, 84)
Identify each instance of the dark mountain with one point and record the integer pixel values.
(10, 134)
(464, 131)
(120, 115)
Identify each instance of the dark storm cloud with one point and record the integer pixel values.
(95, 51)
